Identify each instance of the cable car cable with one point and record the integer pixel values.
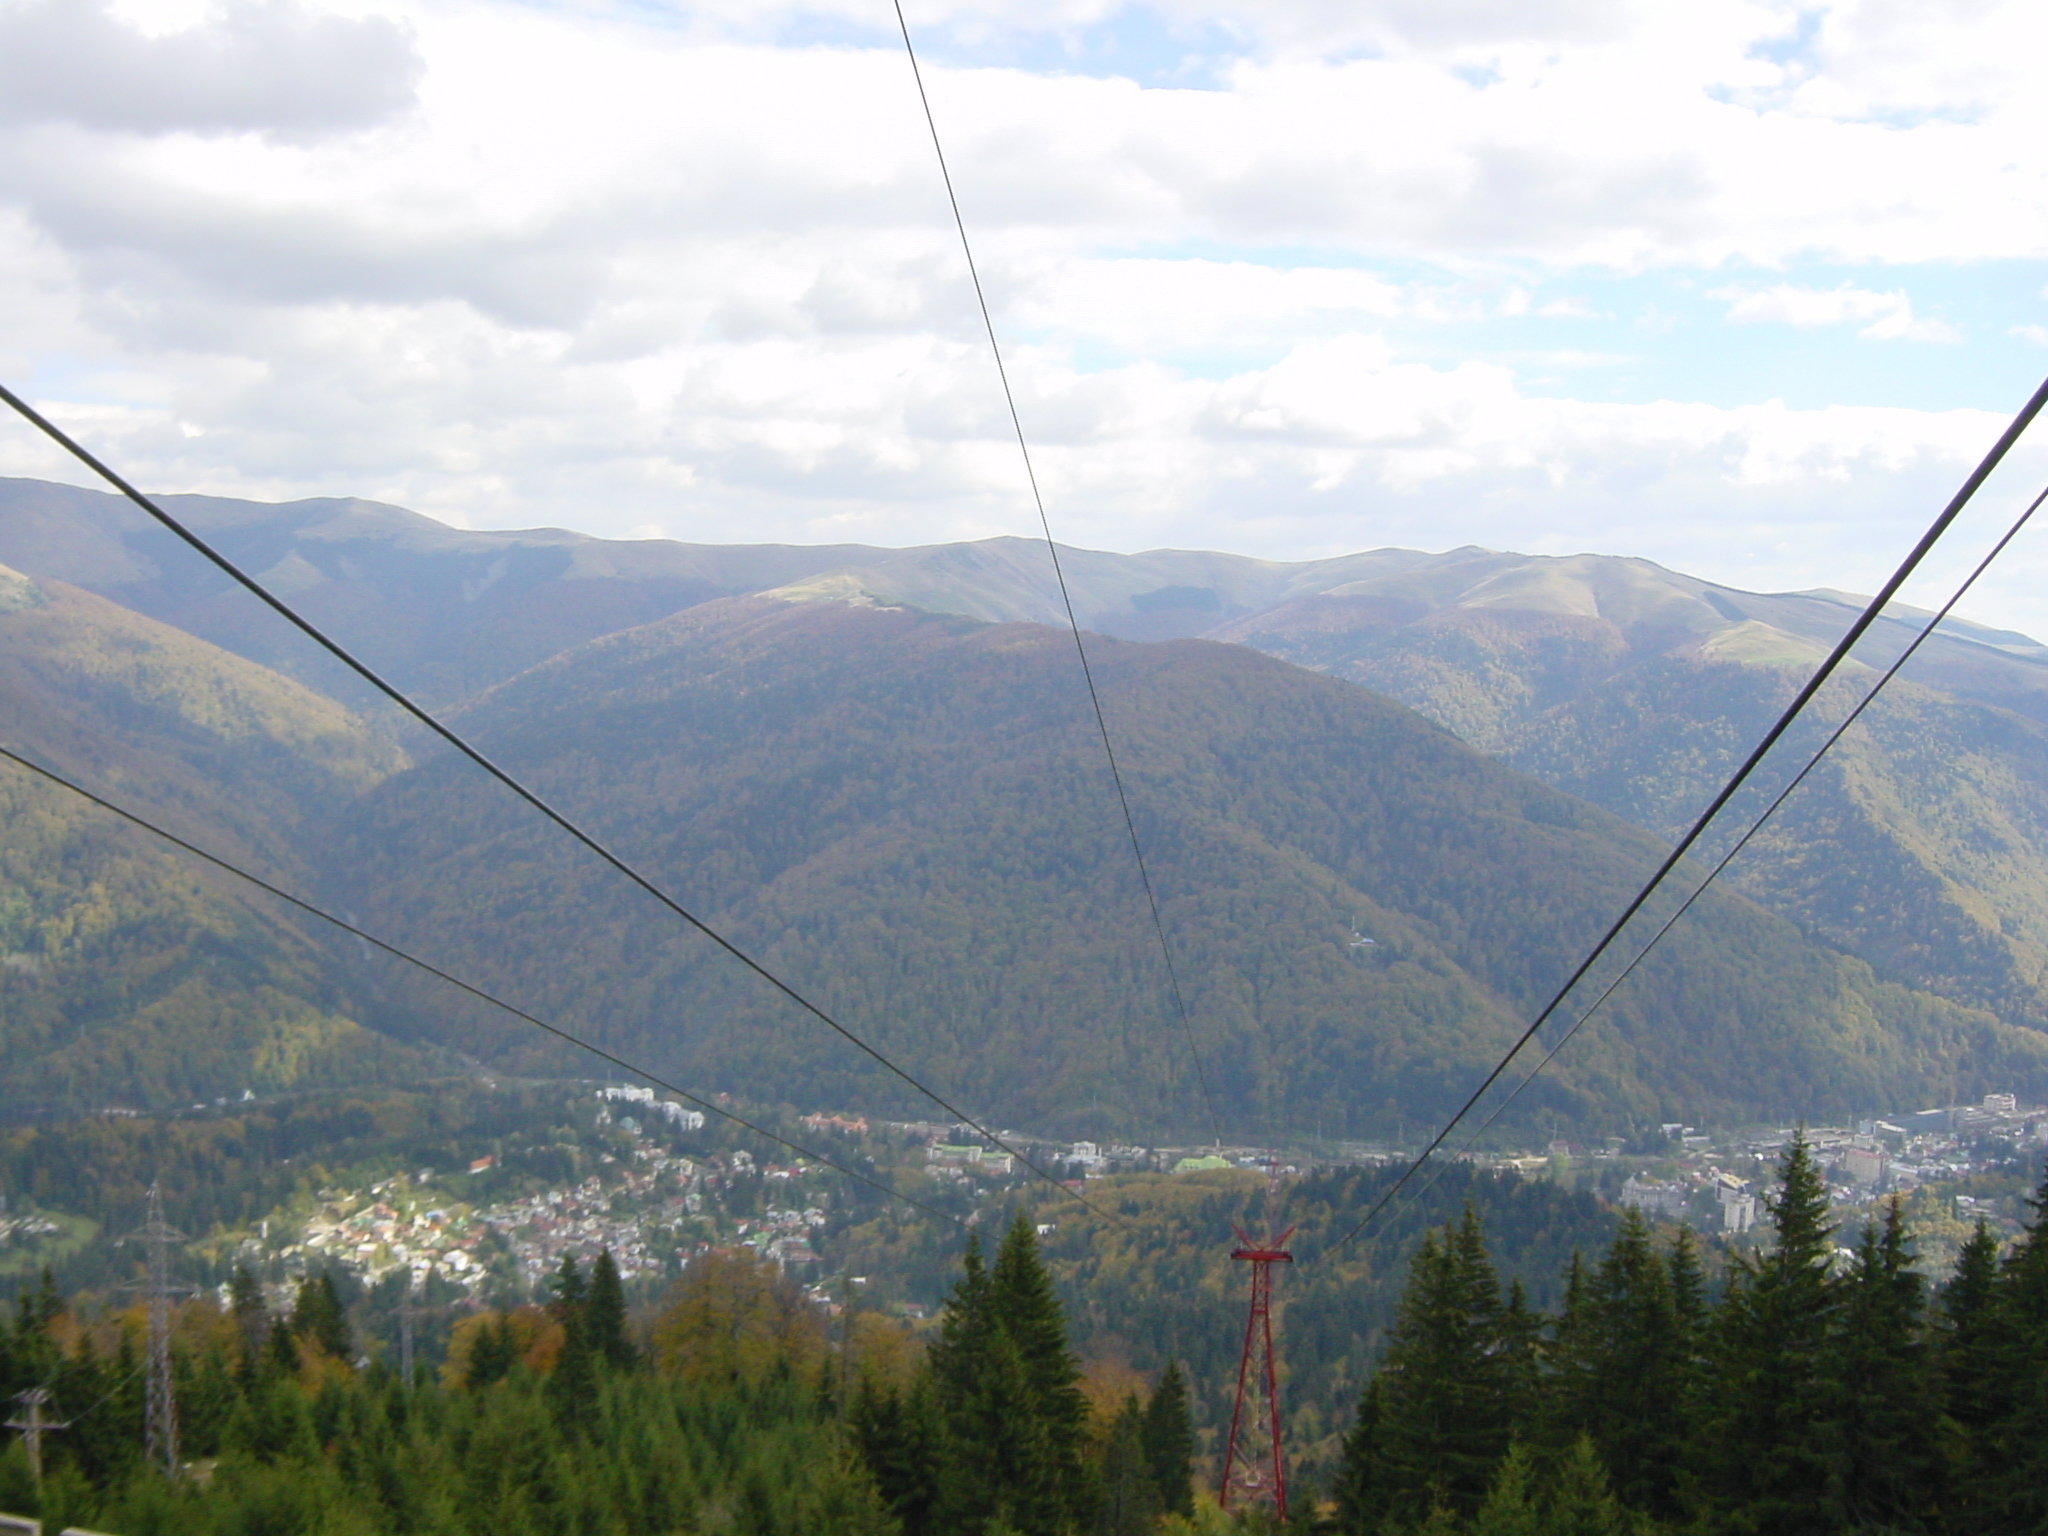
(335, 649)
(1855, 632)
(1743, 842)
(1060, 578)
(457, 982)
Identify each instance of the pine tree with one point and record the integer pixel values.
(318, 1318)
(252, 1320)
(1521, 1344)
(978, 1387)
(1051, 1495)
(1509, 1508)
(281, 1350)
(2018, 1482)
(1768, 1443)
(1889, 1468)
(1169, 1436)
(899, 1436)
(1128, 1504)
(1970, 1361)
(1008, 1389)
(572, 1384)
(568, 1294)
(1618, 1368)
(492, 1354)
(605, 1314)
(1580, 1502)
(1360, 1491)
(1443, 1413)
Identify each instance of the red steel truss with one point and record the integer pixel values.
(1255, 1473)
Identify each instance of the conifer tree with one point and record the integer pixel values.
(1051, 1495)
(568, 1293)
(492, 1354)
(280, 1350)
(900, 1439)
(1169, 1436)
(1509, 1508)
(1889, 1466)
(1618, 1358)
(1521, 1340)
(1768, 1440)
(1128, 1504)
(605, 1314)
(1580, 1501)
(317, 1317)
(2018, 1485)
(1688, 1290)
(1361, 1491)
(1008, 1389)
(1441, 1421)
(974, 1377)
(252, 1319)
(1970, 1362)
(572, 1384)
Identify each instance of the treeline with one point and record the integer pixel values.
(738, 1406)
(1822, 1390)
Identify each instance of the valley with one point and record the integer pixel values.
(1385, 800)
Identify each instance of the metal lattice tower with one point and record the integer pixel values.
(406, 1313)
(1254, 1470)
(160, 1410)
(33, 1427)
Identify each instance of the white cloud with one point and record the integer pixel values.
(514, 265)
(273, 67)
(1882, 316)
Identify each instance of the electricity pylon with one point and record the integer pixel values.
(160, 1407)
(1254, 1471)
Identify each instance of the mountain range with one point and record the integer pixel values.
(876, 769)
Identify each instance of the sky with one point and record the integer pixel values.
(1743, 288)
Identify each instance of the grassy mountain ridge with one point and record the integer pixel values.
(906, 816)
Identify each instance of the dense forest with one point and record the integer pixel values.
(1820, 1388)
(1816, 1385)
(734, 1407)
(904, 814)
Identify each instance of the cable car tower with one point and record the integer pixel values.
(1254, 1471)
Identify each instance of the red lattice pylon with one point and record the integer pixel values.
(1254, 1471)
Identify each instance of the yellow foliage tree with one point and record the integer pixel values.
(735, 1317)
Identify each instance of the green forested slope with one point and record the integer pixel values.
(127, 974)
(908, 816)
(1920, 844)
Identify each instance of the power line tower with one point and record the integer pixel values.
(1254, 1470)
(160, 1410)
(414, 1308)
(33, 1427)
(407, 1311)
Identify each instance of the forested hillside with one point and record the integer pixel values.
(131, 976)
(907, 816)
(1618, 680)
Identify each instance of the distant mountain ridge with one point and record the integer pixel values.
(1921, 848)
(452, 611)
